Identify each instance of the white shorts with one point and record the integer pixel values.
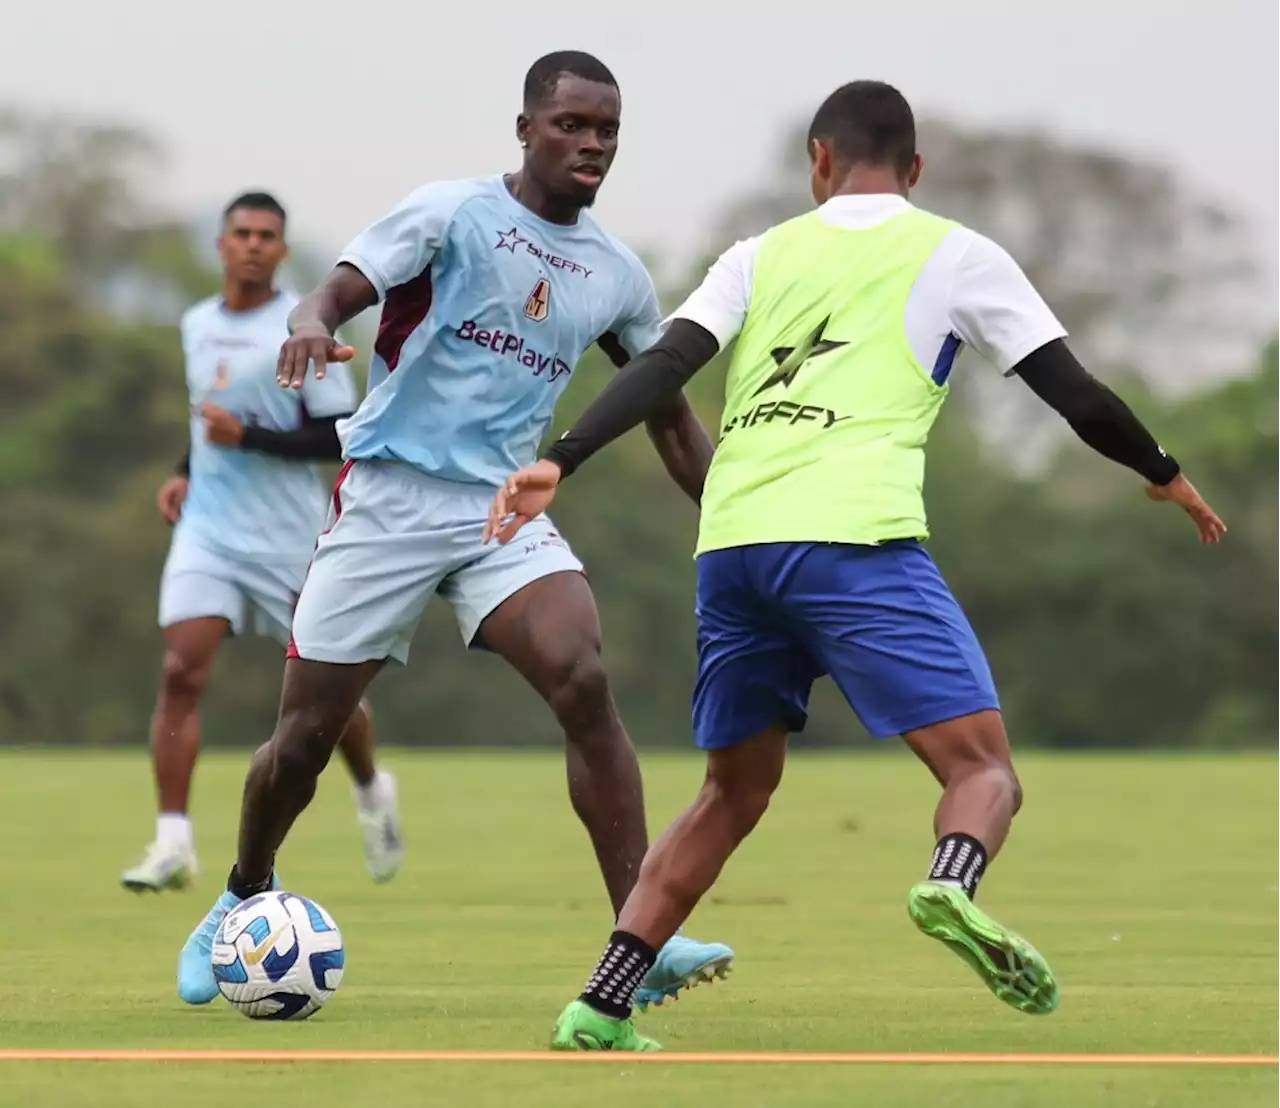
(396, 537)
(201, 583)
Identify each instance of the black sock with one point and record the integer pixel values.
(961, 860)
(618, 975)
(245, 889)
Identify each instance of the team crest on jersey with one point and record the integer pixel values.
(222, 376)
(539, 302)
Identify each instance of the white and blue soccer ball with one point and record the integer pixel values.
(278, 956)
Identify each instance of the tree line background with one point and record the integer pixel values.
(1106, 624)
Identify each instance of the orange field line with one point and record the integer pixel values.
(756, 1057)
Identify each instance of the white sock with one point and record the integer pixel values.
(174, 829)
(376, 794)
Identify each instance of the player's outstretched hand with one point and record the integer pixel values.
(1183, 493)
(526, 495)
(309, 345)
(170, 498)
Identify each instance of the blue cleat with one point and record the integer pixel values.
(196, 984)
(682, 964)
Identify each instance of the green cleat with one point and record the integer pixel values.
(1011, 967)
(581, 1027)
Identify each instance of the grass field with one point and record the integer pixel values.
(1150, 883)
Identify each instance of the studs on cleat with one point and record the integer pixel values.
(1009, 966)
(708, 974)
(717, 971)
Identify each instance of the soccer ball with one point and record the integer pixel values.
(278, 956)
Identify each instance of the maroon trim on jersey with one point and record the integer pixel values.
(291, 651)
(405, 308)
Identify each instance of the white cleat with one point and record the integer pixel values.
(165, 866)
(380, 825)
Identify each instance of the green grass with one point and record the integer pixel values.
(1150, 883)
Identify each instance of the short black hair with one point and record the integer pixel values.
(255, 202)
(867, 122)
(543, 76)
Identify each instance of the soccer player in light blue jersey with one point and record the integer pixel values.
(246, 504)
(492, 290)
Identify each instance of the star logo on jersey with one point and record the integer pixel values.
(791, 359)
(517, 243)
(539, 302)
(509, 240)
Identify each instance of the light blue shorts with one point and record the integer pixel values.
(200, 582)
(395, 538)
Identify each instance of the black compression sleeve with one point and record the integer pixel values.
(646, 385)
(183, 468)
(1101, 419)
(315, 441)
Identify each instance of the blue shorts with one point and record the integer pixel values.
(879, 619)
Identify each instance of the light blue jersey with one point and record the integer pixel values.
(242, 502)
(487, 310)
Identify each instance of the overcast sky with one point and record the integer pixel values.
(343, 115)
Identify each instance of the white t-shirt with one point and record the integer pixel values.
(970, 291)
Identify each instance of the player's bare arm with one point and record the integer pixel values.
(1106, 424)
(342, 296)
(676, 433)
(644, 389)
(173, 492)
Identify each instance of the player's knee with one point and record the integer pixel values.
(579, 696)
(745, 796)
(304, 741)
(1016, 786)
(745, 803)
(969, 745)
(181, 677)
(993, 765)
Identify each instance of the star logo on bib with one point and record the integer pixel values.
(791, 359)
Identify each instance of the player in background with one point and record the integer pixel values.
(492, 290)
(810, 556)
(246, 504)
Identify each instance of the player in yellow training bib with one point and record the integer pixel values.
(810, 552)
